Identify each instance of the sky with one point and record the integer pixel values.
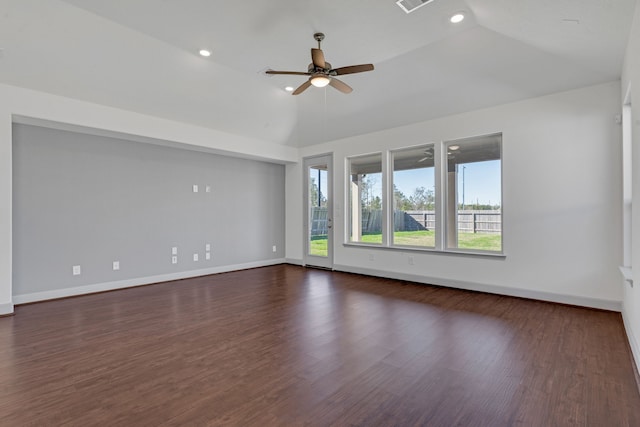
(481, 181)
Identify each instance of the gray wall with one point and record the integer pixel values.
(88, 200)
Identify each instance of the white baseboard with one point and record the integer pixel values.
(602, 304)
(6, 309)
(110, 286)
(294, 261)
(633, 343)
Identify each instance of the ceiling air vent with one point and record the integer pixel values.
(411, 5)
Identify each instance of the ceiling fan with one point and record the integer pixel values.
(320, 72)
(428, 155)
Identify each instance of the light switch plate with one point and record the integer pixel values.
(116, 265)
(76, 270)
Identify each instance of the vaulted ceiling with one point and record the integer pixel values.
(142, 55)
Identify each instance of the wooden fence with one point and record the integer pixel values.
(480, 221)
(318, 221)
(468, 221)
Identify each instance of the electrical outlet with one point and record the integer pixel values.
(274, 249)
(207, 256)
(195, 188)
(207, 189)
(116, 265)
(174, 260)
(195, 257)
(207, 247)
(174, 250)
(76, 270)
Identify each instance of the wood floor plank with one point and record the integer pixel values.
(285, 345)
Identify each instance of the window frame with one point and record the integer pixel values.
(349, 207)
(448, 226)
(391, 194)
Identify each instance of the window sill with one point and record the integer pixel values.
(454, 252)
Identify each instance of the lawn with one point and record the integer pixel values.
(422, 238)
(318, 246)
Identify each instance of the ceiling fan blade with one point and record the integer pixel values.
(302, 88)
(352, 69)
(292, 73)
(317, 57)
(425, 158)
(341, 86)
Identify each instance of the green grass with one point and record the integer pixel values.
(422, 238)
(318, 245)
(484, 242)
(415, 238)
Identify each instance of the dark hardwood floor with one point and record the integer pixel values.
(289, 346)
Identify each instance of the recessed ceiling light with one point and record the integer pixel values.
(289, 88)
(205, 52)
(454, 147)
(457, 18)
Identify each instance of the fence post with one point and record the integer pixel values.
(474, 223)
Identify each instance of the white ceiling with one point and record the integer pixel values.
(141, 55)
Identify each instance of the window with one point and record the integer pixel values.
(318, 192)
(474, 194)
(445, 196)
(365, 199)
(414, 197)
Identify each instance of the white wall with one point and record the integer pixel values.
(18, 103)
(561, 196)
(6, 305)
(631, 79)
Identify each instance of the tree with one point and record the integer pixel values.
(313, 195)
(368, 200)
(376, 203)
(400, 201)
(422, 199)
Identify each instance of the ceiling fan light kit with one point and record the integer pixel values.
(320, 81)
(320, 72)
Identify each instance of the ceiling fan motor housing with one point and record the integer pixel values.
(313, 69)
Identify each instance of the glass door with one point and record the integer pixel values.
(318, 212)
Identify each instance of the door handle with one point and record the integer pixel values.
(329, 222)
